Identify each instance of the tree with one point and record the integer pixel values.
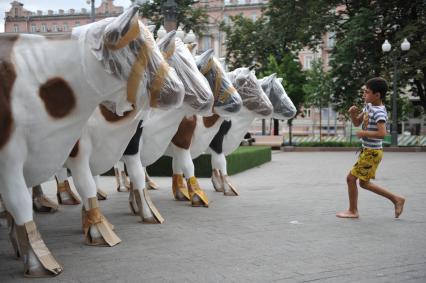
(318, 88)
(188, 16)
(361, 29)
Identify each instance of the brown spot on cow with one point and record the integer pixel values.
(210, 120)
(74, 150)
(185, 132)
(111, 116)
(7, 79)
(58, 97)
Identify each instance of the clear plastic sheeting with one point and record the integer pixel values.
(198, 94)
(227, 101)
(251, 92)
(282, 104)
(127, 49)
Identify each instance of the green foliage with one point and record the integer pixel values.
(318, 87)
(188, 16)
(360, 31)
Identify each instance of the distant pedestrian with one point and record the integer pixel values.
(373, 119)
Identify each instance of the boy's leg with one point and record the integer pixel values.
(352, 212)
(396, 200)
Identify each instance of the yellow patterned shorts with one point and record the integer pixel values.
(366, 166)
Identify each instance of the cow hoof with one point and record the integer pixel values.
(43, 204)
(101, 195)
(217, 181)
(229, 188)
(65, 195)
(197, 196)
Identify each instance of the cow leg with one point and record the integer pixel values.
(150, 183)
(219, 166)
(182, 163)
(217, 180)
(64, 192)
(97, 230)
(100, 194)
(123, 184)
(38, 261)
(41, 203)
(139, 200)
(7, 221)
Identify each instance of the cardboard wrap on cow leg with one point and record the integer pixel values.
(123, 182)
(65, 195)
(94, 219)
(101, 194)
(217, 181)
(38, 261)
(180, 191)
(150, 183)
(196, 194)
(137, 206)
(228, 188)
(41, 203)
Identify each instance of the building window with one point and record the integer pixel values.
(33, 28)
(16, 12)
(226, 19)
(227, 2)
(43, 28)
(307, 113)
(331, 39)
(65, 27)
(307, 62)
(77, 24)
(15, 28)
(206, 42)
(55, 28)
(241, 2)
(253, 16)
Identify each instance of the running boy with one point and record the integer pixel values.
(373, 119)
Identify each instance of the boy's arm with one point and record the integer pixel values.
(355, 117)
(379, 134)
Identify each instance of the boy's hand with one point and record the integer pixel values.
(353, 110)
(360, 134)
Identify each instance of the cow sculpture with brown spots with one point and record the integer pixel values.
(48, 91)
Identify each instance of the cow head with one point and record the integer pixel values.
(227, 101)
(247, 85)
(127, 50)
(283, 106)
(198, 94)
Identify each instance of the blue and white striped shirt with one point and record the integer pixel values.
(372, 115)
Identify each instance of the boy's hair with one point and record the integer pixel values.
(379, 85)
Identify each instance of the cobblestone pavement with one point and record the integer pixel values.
(281, 229)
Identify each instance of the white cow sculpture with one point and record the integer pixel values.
(233, 130)
(227, 102)
(255, 104)
(49, 89)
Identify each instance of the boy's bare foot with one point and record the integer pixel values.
(399, 206)
(347, 214)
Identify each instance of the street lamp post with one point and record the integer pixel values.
(386, 47)
(92, 10)
(170, 12)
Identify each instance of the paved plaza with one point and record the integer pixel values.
(281, 229)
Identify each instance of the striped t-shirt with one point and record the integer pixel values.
(372, 115)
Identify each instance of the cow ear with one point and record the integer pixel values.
(204, 58)
(167, 44)
(151, 28)
(280, 80)
(191, 46)
(122, 30)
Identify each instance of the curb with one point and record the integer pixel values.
(313, 149)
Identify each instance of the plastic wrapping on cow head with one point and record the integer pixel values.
(227, 101)
(251, 92)
(127, 50)
(282, 104)
(198, 94)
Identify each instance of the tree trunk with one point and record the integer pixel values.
(320, 124)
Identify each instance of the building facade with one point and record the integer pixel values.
(18, 19)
